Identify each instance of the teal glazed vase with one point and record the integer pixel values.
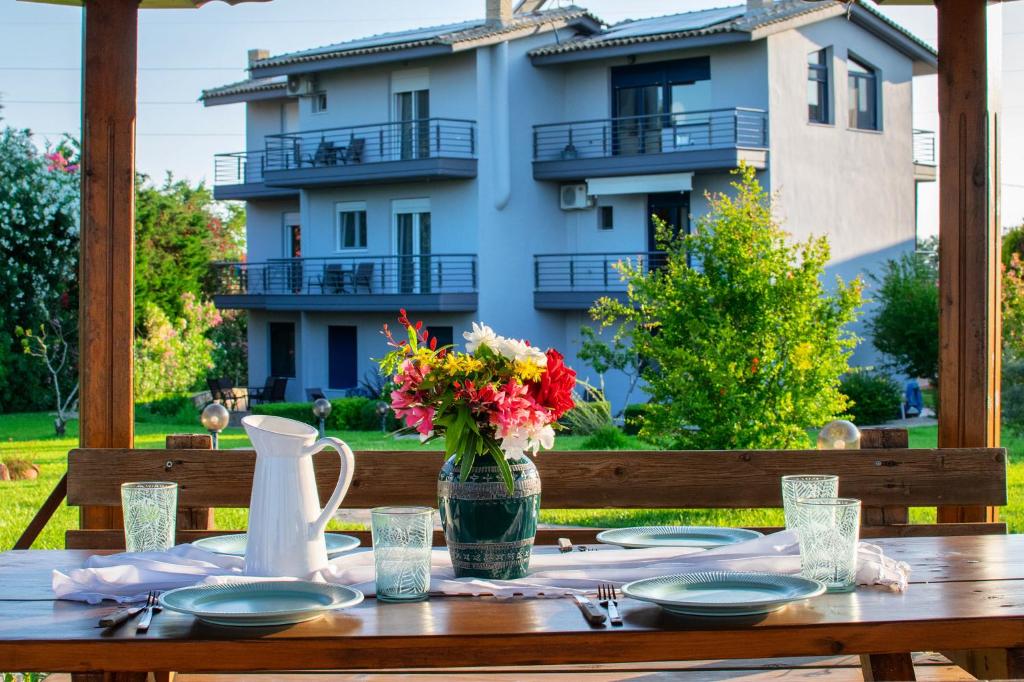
(489, 531)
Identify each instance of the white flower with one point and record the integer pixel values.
(532, 438)
(482, 335)
(520, 351)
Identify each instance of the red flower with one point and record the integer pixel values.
(554, 390)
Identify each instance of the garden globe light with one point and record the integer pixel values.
(839, 435)
(322, 410)
(382, 412)
(214, 419)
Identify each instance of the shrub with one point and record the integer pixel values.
(347, 414)
(177, 407)
(606, 438)
(746, 350)
(174, 356)
(1013, 394)
(905, 326)
(634, 418)
(589, 414)
(875, 397)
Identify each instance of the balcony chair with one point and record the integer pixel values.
(330, 281)
(353, 153)
(326, 154)
(363, 276)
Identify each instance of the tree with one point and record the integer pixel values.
(619, 355)
(745, 348)
(56, 345)
(39, 252)
(905, 326)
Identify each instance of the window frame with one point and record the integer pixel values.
(606, 211)
(874, 78)
(823, 67)
(343, 207)
(315, 102)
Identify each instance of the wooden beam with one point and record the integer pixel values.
(45, 513)
(969, 328)
(109, 56)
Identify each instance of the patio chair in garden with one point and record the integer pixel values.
(277, 390)
(315, 394)
(261, 394)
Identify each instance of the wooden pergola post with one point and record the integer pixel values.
(969, 239)
(109, 55)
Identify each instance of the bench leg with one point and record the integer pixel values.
(878, 667)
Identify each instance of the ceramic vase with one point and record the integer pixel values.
(489, 531)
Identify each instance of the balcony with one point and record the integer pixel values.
(716, 139)
(924, 155)
(573, 281)
(425, 149)
(239, 175)
(424, 283)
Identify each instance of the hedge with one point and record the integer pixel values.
(876, 397)
(347, 414)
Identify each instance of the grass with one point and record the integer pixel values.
(30, 437)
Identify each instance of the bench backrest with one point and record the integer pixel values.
(887, 480)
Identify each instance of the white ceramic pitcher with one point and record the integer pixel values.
(286, 524)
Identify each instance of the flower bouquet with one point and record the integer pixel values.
(492, 403)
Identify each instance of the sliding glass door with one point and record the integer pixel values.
(412, 111)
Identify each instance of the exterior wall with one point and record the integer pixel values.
(866, 210)
(264, 117)
(264, 233)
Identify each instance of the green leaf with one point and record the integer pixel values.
(503, 466)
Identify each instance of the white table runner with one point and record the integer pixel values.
(128, 577)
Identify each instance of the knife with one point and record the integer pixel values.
(591, 612)
(120, 616)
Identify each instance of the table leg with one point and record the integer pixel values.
(1015, 663)
(878, 667)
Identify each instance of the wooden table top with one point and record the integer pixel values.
(966, 592)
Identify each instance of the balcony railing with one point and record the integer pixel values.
(573, 281)
(239, 168)
(429, 138)
(654, 134)
(924, 147)
(356, 276)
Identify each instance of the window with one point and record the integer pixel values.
(863, 96)
(319, 102)
(342, 358)
(445, 335)
(351, 226)
(282, 349)
(606, 218)
(817, 87)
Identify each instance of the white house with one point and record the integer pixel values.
(496, 169)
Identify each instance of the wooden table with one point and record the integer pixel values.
(966, 593)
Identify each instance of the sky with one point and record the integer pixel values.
(183, 51)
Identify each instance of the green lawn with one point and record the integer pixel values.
(30, 436)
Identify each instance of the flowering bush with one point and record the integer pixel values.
(173, 356)
(501, 397)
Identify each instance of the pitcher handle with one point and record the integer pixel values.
(348, 467)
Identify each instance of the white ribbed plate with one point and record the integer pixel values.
(702, 537)
(276, 602)
(234, 545)
(723, 593)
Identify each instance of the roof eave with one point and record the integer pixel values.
(343, 61)
(926, 60)
(605, 52)
(241, 97)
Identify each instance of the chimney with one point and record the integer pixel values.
(499, 11)
(753, 5)
(257, 54)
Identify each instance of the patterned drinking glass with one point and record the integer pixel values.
(150, 513)
(402, 537)
(829, 529)
(805, 486)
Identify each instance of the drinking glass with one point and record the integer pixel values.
(402, 538)
(805, 486)
(150, 514)
(829, 529)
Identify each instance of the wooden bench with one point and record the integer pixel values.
(889, 480)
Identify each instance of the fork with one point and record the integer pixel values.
(147, 613)
(606, 593)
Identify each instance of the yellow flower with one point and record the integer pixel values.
(458, 363)
(527, 370)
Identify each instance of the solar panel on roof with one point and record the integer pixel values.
(688, 21)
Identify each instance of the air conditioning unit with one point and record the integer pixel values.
(574, 197)
(301, 86)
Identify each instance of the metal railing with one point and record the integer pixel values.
(239, 168)
(414, 274)
(924, 147)
(587, 271)
(425, 138)
(654, 134)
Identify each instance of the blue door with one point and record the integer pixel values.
(342, 361)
